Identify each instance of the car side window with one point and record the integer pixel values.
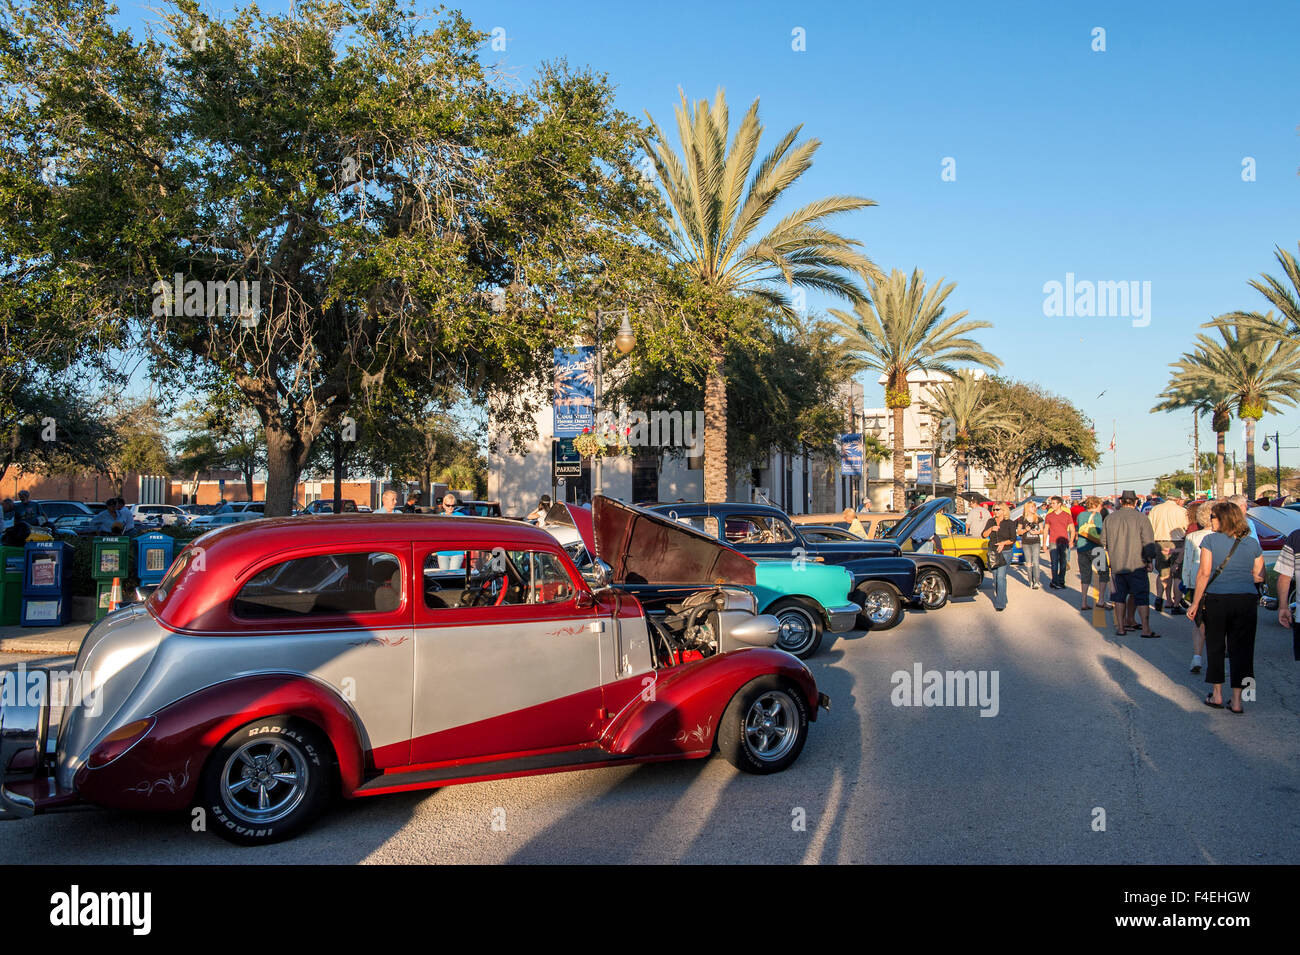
(323, 584)
(703, 523)
(494, 578)
(760, 529)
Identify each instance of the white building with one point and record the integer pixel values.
(798, 483)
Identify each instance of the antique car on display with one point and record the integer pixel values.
(955, 539)
(874, 524)
(283, 659)
(884, 579)
(806, 597)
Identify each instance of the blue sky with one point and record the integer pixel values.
(1122, 165)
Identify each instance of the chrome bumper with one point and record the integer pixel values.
(25, 742)
(1267, 602)
(842, 619)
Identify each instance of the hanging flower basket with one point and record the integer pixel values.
(592, 444)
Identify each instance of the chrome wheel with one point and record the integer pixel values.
(933, 590)
(264, 781)
(797, 629)
(771, 726)
(879, 607)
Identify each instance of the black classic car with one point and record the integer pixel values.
(938, 576)
(884, 581)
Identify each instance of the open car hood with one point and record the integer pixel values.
(643, 547)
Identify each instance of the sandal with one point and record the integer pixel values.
(1210, 702)
(1149, 636)
(1229, 708)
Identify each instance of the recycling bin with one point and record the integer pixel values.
(110, 560)
(154, 553)
(11, 585)
(47, 569)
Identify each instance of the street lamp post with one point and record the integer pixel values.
(624, 341)
(1277, 459)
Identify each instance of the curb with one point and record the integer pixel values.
(63, 641)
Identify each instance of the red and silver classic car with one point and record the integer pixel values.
(284, 659)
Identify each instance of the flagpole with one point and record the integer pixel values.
(1114, 459)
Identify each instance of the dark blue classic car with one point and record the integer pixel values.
(883, 580)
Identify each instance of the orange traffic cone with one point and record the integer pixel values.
(115, 595)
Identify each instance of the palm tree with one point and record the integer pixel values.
(1189, 388)
(902, 329)
(1257, 371)
(1284, 296)
(963, 406)
(716, 203)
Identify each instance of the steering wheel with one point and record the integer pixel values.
(476, 590)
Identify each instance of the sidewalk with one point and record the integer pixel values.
(48, 640)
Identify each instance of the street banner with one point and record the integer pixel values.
(1076, 494)
(851, 454)
(923, 469)
(574, 403)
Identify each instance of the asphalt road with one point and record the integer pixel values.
(1087, 723)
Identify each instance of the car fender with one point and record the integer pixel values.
(899, 572)
(679, 711)
(162, 770)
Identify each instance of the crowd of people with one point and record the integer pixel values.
(1203, 554)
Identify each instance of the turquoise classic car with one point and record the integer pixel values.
(807, 597)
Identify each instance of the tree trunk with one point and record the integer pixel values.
(960, 478)
(1250, 459)
(248, 482)
(715, 432)
(900, 462)
(1220, 454)
(285, 454)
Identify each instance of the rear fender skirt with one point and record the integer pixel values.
(162, 770)
(679, 711)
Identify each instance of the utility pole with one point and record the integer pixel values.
(1235, 489)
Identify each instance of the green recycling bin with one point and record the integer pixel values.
(11, 585)
(110, 559)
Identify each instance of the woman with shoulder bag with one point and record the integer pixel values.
(1000, 532)
(1231, 565)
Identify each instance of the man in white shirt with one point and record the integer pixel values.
(389, 503)
(1169, 524)
(104, 522)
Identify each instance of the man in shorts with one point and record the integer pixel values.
(1130, 545)
(1169, 524)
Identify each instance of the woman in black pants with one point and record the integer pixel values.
(1231, 564)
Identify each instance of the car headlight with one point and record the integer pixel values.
(965, 564)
